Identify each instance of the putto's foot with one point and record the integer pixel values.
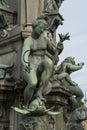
(41, 97)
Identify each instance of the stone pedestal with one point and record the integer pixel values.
(35, 123)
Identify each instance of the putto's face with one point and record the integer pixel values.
(39, 28)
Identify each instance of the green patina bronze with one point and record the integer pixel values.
(39, 54)
(65, 69)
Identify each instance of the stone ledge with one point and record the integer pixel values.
(58, 95)
(6, 85)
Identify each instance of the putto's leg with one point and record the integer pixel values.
(31, 79)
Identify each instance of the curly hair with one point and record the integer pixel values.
(39, 22)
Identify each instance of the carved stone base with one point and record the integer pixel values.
(59, 95)
(35, 123)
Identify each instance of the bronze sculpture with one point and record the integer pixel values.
(39, 57)
(65, 69)
(40, 54)
(41, 48)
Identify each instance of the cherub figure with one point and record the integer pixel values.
(65, 69)
(40, 52)
(38, 59)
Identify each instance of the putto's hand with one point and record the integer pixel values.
(67, 36)
(64, 37)
(27, 68)
(82, 63)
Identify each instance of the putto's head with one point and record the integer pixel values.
(39, 25)
(70, 60)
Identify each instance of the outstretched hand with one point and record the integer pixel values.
(64, 37)
(82, 63)
(27, 68)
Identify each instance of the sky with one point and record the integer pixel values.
(75, 22)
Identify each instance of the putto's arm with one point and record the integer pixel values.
(26, 52)
(75, 67)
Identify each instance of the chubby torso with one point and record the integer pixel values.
(40, 49)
